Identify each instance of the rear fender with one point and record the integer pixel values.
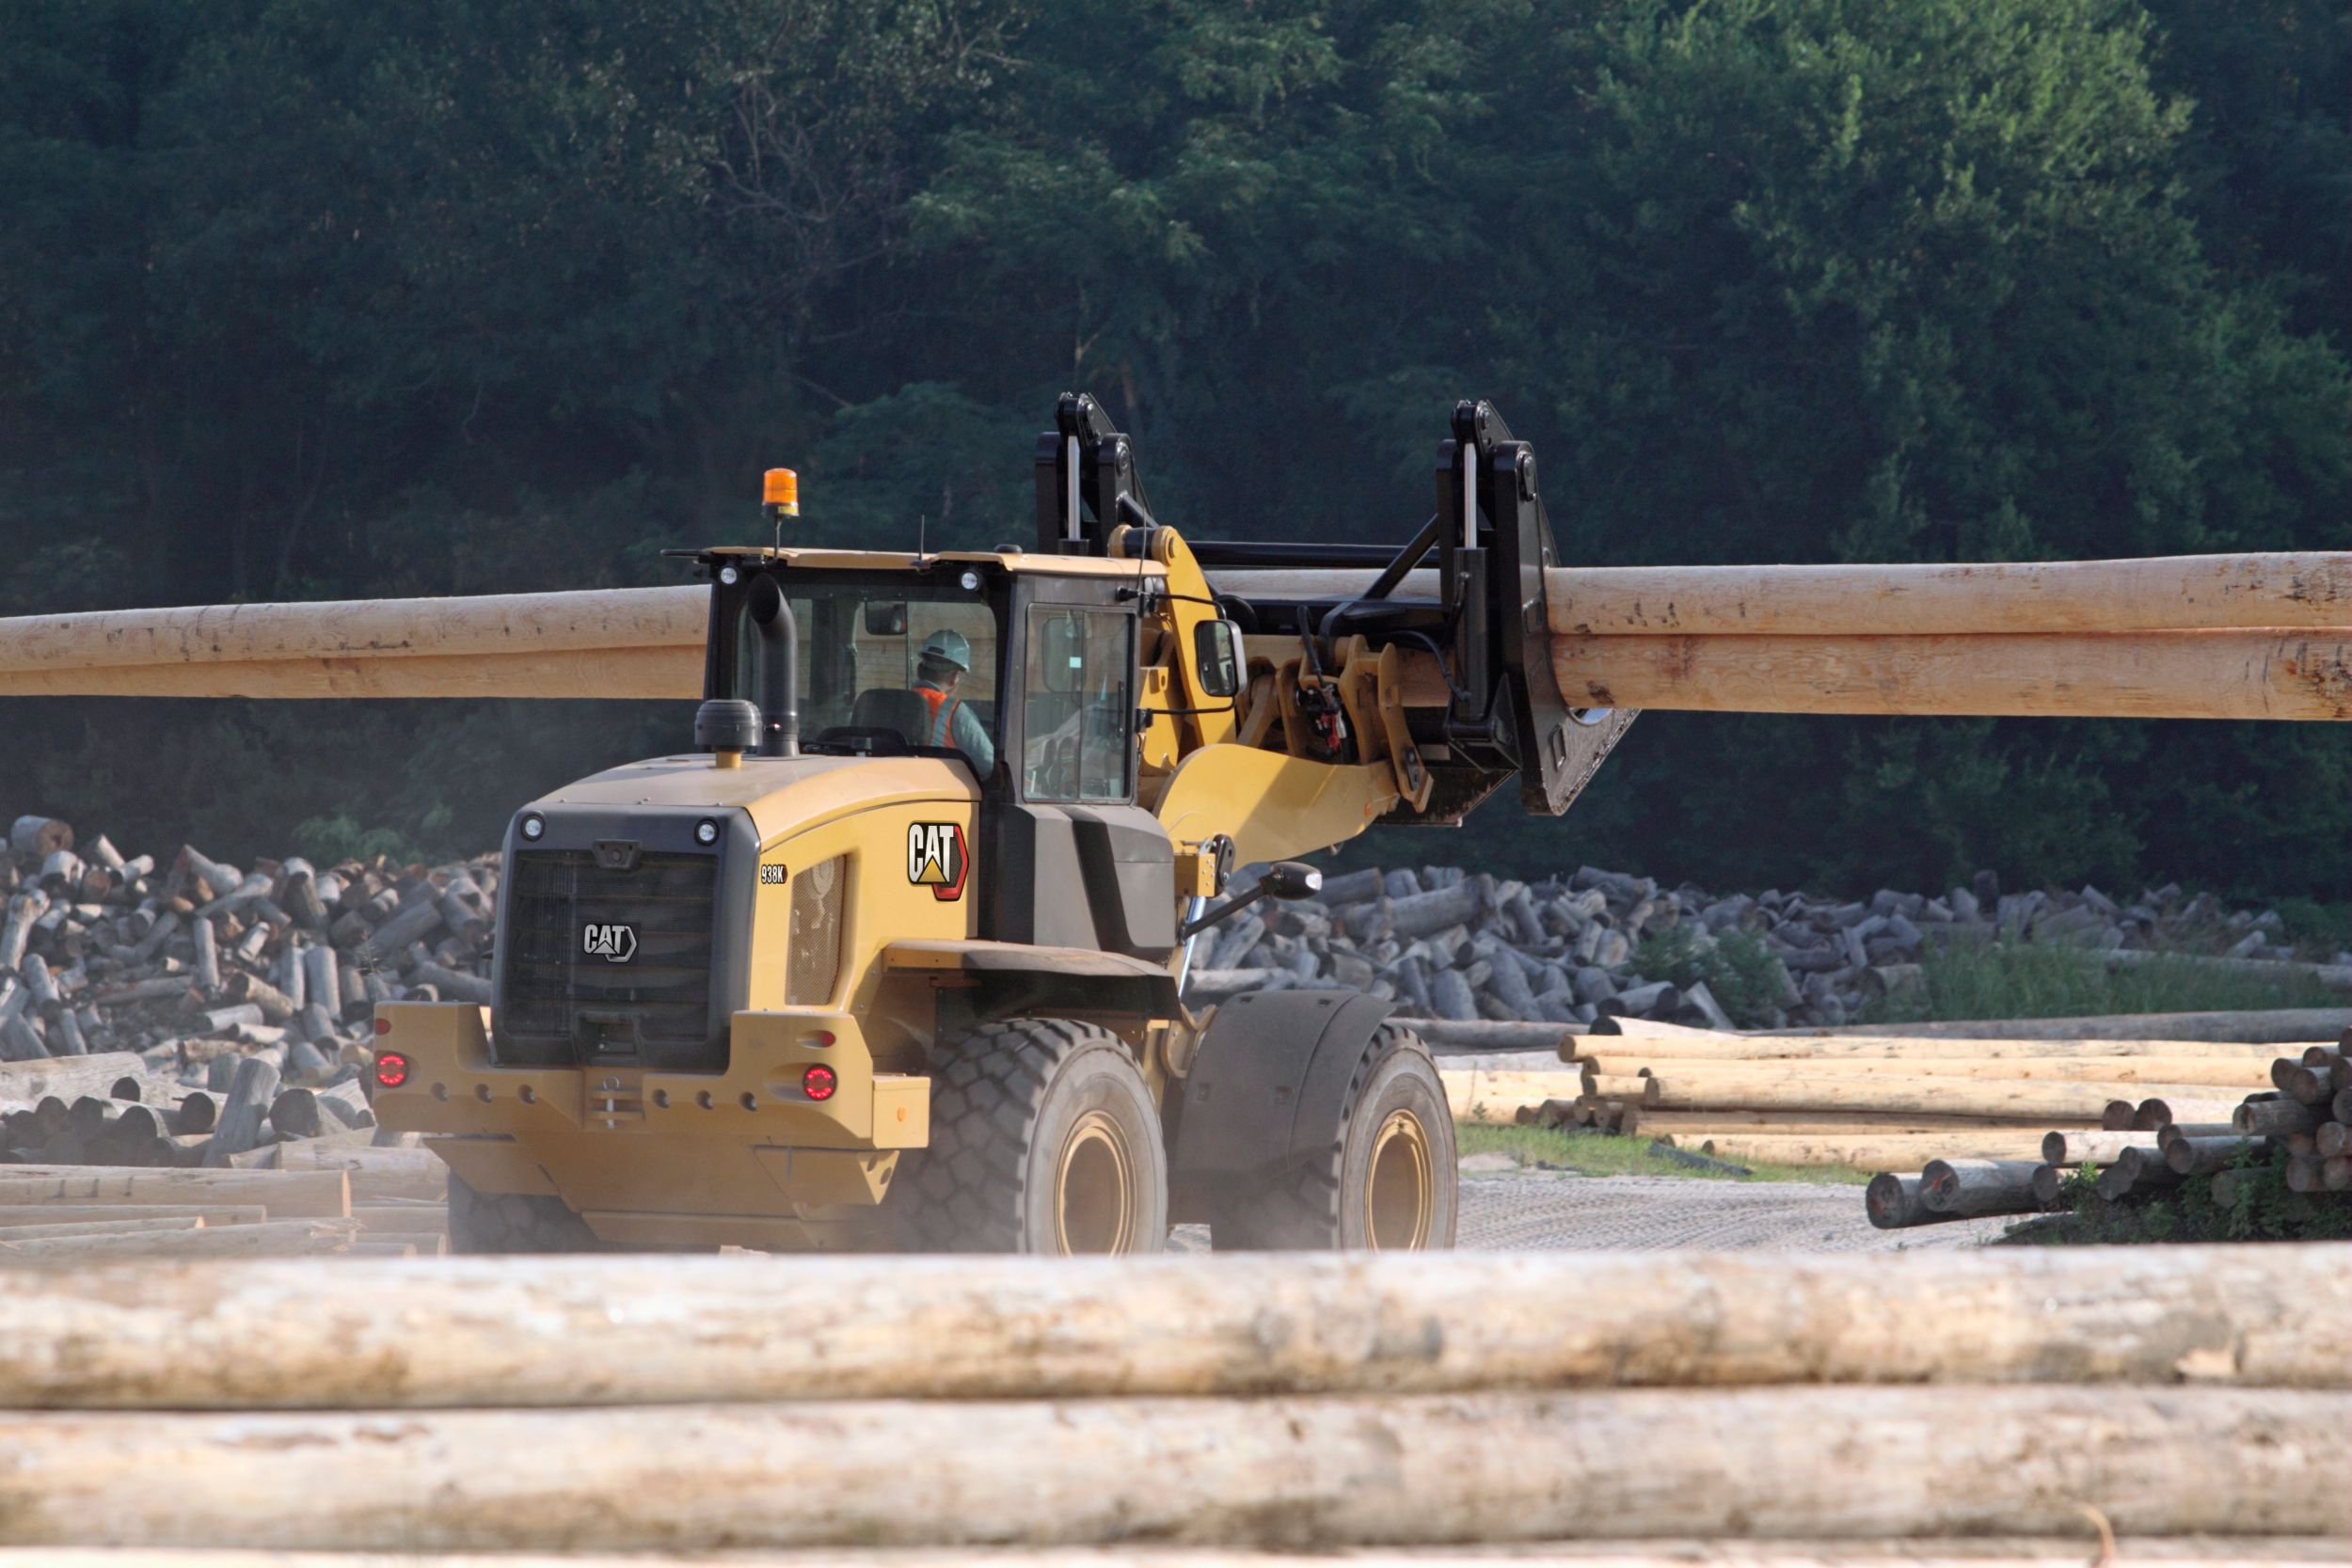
(1270, 1081)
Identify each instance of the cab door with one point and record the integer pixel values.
(1075, 862)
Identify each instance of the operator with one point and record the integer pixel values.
(940, 666)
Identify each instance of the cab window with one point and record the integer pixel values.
(868, 649)
(1078, 704)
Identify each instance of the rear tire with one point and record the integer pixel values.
(513, 1222)
(1386, 1183)
(1044, 1139)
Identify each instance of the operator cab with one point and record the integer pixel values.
(1022, 668)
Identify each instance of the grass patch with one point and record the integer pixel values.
(2263, 1210)
(1600, 1154)
(2039, 980)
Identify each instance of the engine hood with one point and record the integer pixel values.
(783, 795)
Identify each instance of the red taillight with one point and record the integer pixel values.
(391, 1069)
(818, 1083)
(383, 1026)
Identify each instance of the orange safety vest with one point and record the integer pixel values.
(943, 711)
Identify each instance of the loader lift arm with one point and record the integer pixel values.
(1484, 634)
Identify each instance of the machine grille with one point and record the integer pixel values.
(567, 1001)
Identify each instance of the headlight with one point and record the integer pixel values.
(705, 833)
(730, 576)
(535, 826)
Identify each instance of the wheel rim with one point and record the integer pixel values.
(1094, 1190)
(1400, 1188)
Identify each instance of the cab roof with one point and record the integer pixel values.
(898, 561)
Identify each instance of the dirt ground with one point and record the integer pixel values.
(1551, 1210)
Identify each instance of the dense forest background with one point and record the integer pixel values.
(303, 299)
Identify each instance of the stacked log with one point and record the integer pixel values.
(356, 1201)
(2304, 1118)
(1285, 1402)
(1887, 1103)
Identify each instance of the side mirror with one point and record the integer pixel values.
(885, 620)
(1216, 649)
(1291, 879)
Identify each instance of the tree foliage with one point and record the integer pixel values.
(308, 300)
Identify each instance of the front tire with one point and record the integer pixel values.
(1044, 1139)
(1386, 1183)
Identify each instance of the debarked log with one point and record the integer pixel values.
(2155, 674)
(2308, 589)
(287, 1195)
(1332, 1471)
(622, 1330)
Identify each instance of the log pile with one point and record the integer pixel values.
(2302, 1121)
(1486, 962)
(330, 1197)
(1869, 1102)
(1288, 1403)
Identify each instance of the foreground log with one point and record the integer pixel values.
(543, 1330)
(2006, 1552)
(1318, 1472)
(2157, 674)
(287, 1195)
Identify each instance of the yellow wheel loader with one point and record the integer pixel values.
(894, 958)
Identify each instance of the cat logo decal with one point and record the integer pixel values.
(937, 859)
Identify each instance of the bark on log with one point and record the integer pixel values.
(2261, 1026)
(1967, 1189)
(2211, 591)
(2205, 1156)
(1453, 1037)
(2163, 675)
(1292, 1473)
(243, 1111)
(2277, 1116)
(287, 1195)
(1893, 1202)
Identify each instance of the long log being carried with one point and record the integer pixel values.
(2217, 637)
